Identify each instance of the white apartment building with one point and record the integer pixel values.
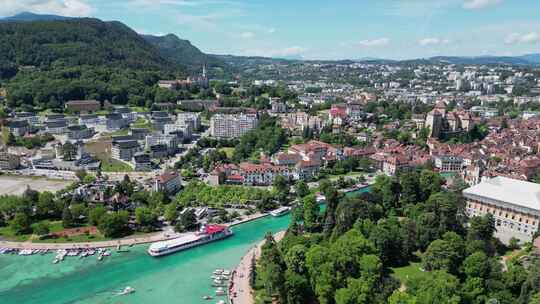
(232, 125)
(189, 118)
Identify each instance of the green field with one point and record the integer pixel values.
(113, 165)
(8, 234)
(409, 272)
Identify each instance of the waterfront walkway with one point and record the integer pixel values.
(240, 291)
(128, 241)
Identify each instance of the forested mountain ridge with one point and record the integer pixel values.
(181, 51)
(75, 42)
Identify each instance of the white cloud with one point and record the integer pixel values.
(70, 8)
(517, 38)
(271, 30)
(374, 42)
(188, 3)
(293, 51)
(479, 4)
(433, 41)
(247, 35)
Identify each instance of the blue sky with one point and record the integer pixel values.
(317, 29)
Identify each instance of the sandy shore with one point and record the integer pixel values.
(128, 241)
(240, 291)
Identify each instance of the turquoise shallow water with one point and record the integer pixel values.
(182, 277)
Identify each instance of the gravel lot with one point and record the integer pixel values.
(14, 185)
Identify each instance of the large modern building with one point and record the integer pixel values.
(124, 150)
(232, 125)
(9, 161)
(514, 204)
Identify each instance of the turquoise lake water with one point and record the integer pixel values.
(182, 277)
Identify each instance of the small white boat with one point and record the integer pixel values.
(220, 302)
(55, 261)
(127, 291)
(226, 272)
(218, 271)
(220, 291)
(207, 298)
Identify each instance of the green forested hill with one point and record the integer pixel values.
(45, 63)
(183, 52)
(77, 42)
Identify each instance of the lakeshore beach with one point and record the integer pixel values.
(240, 291)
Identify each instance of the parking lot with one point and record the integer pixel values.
(14, 185)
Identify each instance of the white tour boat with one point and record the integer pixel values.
(208, 233)
(280, 211)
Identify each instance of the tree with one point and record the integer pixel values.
(445, 254)
(188, 221)
(78, 212)
(331, 198)
(96, 214)
(311, 212)
(281, 187)
(67, 218)
(429, 183)
(272, 267)
(295, 259)
(42, 228)
(349, 211)
(145, 217)
(20, 224)
(31, 195)
(114, 224)
(531, 285)
(7, 137)
(301, 189)
(45, 205)
(436, 287)
(477, 265)
(389, 190)
(410, 188)
(297, 288)
(81, 175)
(480, 234)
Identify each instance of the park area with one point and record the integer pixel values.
(15, 185)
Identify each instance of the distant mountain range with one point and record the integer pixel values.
(29, 17)
(172, 50)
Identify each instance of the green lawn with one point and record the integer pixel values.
(138, 109)
(410, 272)
(74, 239)
(10, 235)
(142, 123)
(113, 165)
(349, 174)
